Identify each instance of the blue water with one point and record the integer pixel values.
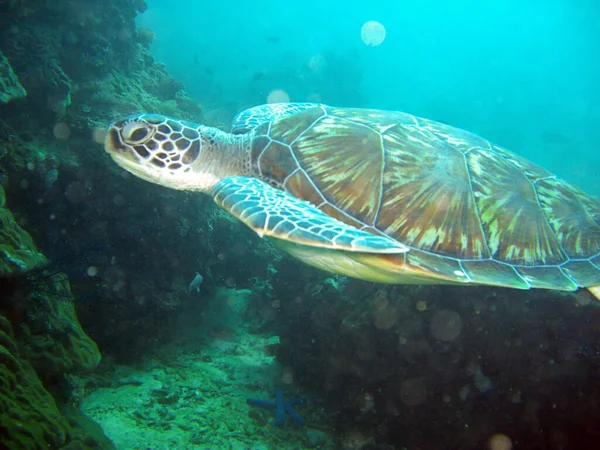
(523, 74)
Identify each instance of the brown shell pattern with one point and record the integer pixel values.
(469, 210)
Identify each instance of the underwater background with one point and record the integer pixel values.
(525, 75)
(108, 339)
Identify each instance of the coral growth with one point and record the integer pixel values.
(388, 358)
(82, 64)
(18, 253)
(29, 413)
(10, 86)
(47, 344)
(29, 416)
(51, 338)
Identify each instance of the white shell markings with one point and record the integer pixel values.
(372, 33)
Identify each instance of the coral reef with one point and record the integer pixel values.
(425, 367)
(83, 64)
(10, 86)
(391, 359)
(18, 253)
(41, 342)
(191, 393)
(49, 335)
(29, 415)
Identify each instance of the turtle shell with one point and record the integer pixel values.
(469, 210)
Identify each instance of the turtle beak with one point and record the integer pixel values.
(125, 157)
(119, 152)
(112, 142)
(113, 145)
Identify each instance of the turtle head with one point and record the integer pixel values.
(162, 150)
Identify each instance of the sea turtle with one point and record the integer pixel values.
(378, 195)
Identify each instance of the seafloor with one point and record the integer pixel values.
(191, 392)
(102, 346)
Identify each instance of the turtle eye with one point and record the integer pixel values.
(136, 133)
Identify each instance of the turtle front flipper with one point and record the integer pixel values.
(277, 214)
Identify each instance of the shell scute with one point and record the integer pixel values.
(515, 227)
(470, 211)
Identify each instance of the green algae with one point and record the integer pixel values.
(52, 339)
(18, 253)
(10, 86)
(29, 417)
(41, 343)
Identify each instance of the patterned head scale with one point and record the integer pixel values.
(156, 140)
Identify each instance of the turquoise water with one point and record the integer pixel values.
(193, 314)
(523, 74)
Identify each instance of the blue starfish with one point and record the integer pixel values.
(282, 407)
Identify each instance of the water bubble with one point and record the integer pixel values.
(413, 392)
(51, 177)
(76, 192)
(119, 200)
(317, 63)
(287, 377)
(380, 301)
(515, 396)
(446, 325)
(313, 97)
(61, 131)
(583, 299)
(372, 33)
(278, 96)
(98, 135)
(125, 35)
(385, 318)
(499, 441)
(366, 402)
